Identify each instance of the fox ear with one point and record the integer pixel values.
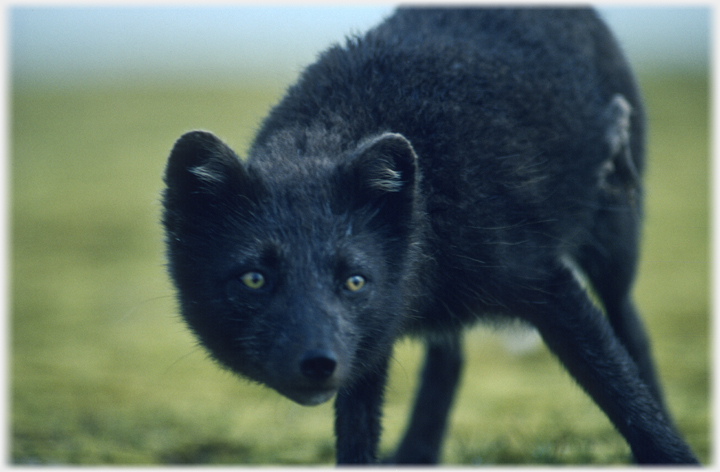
(383, 174)
(199, 161)
(386, 164)
(200, 169)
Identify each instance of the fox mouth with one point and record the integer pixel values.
(308, 396)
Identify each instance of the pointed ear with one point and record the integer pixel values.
(199, 161)
(201, 168)
(206, 183)
(383, 174)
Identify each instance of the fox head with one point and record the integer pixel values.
(290, 270)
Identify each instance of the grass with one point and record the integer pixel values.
(102, 371)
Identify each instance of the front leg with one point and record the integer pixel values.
(440, 377)
(357, 417)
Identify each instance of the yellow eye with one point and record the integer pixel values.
(355, 283)
(253, 280)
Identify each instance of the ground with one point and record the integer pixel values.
(102, 370)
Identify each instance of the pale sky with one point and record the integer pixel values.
(99, 43)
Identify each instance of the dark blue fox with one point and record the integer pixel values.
(449, 166)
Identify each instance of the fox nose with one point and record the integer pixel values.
(318, 364)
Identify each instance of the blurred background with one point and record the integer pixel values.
(102, 371)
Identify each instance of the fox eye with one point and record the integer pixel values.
(253, 280)
(355, 283)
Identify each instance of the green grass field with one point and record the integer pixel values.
(102, 371)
